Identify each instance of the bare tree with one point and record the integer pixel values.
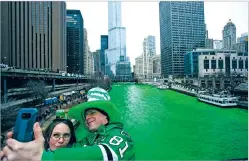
(107, 82)
(38, 91)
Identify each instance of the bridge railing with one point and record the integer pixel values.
(13, 71)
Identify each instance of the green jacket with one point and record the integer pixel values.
(108, 143)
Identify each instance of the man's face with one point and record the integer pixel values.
(94, 119)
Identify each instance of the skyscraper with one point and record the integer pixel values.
(149, 50)
(96, 58)
(182, 28)
(88, 56)
(229, 35)
(116, 37)
(75, 37)
(149, 46)
(209, 43)
(243, 37)
(242, 43)
(33, 35)
(103, 47)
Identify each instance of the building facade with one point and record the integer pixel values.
(123, 69)
(156, 66)
(222, 63)
(149, 45)
(88, 57)
(33, 35)
(75, 48)
(242, 43)
(96, 60)
(215, 62)
(209, 43)
(182, 29)
(103, 47)
(229, 35)
(242, 38)
(241, 46)
(138, 72)
(116, 38)
(143, 71)
(191, 68)
(218, 44)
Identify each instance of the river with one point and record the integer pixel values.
(167, 125)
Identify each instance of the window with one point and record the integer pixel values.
(240, 54)
(234, 64)
(220, 64)
(241, 64)
(246, 65)
(206, 64)
(213, 64)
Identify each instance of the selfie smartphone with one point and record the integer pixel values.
(23, 130)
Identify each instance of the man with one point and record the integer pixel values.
(105, 140)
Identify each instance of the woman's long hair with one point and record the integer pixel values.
(50, 128)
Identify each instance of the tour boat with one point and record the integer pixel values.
(222, 100)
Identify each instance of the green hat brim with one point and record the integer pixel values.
(78, 111)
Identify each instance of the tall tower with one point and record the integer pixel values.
(75, 37)
(182, 28)
(229, 35)
(116, 38)
(149, 46)
(103, 47)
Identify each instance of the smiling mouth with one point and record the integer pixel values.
(90, 121)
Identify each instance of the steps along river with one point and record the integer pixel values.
(167, 125)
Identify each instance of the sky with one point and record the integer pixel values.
(142, 19)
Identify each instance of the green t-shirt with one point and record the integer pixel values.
(108, 143)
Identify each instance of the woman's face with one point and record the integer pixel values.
(60, 136)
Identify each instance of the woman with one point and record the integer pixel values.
(60, 133)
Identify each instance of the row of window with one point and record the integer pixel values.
(28, 60)
(221, 66)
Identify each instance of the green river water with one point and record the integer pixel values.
(166, 125)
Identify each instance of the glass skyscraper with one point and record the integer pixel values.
(182, 28)
(116, 38)
(103, 47)
(75, 48)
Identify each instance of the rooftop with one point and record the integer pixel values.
(242, 87)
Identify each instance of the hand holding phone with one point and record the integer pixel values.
(23, 130)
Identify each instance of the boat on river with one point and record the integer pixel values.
(163, 86)
(184, 90)
(222, 100)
